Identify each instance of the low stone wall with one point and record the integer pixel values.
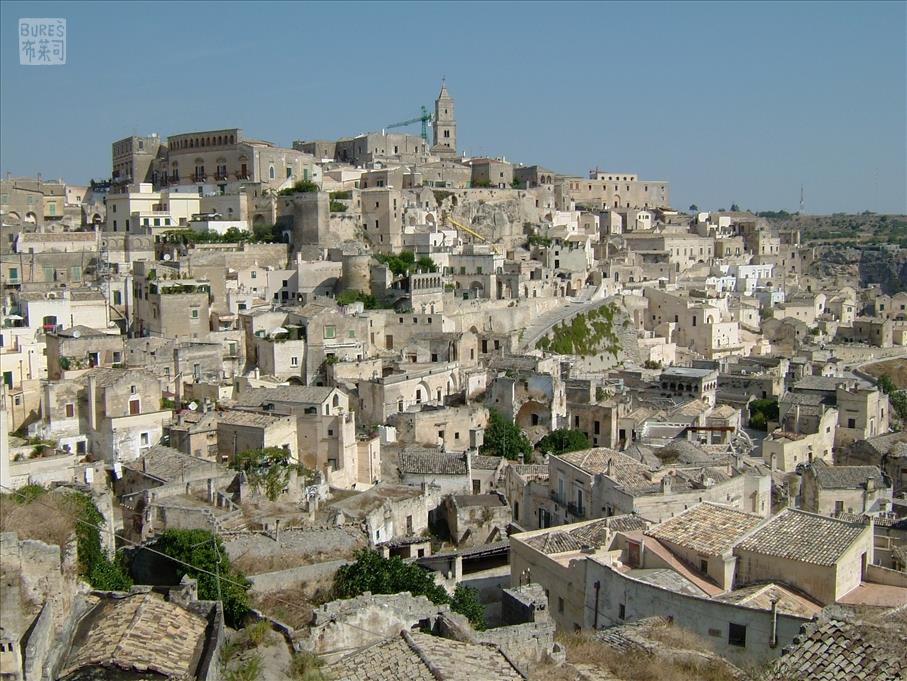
(285, 579)
(877, 574)
(531, 641)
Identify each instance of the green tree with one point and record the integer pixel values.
(504, 438)
(761, 412)
(426, 264)
(94, 565)
(205, 553)
(563, 440)
(897, 398)
(301, 187)
(379, 575)
(350, 296)
(694, 208)
(886, 385)
(373, 572)
(268, 469)
(466, 602)
(735, 208)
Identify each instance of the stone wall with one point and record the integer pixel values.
(289, 578)
(357, 622)
(529, 642)
(708, 618)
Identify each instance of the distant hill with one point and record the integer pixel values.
(838, 228)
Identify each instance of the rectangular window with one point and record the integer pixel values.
(329, 331)
(194, 313)
(736, 634)
(294, 361)
(70, 410)
(560, 604)
(144, 439)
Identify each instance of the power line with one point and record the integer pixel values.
(217, 576)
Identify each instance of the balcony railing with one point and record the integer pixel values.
(575, 511)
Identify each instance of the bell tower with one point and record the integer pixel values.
(445, 125)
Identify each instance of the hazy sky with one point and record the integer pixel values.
(728, 102)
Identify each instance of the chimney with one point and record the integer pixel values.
(870, 483)
(666, 484)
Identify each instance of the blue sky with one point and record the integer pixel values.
(730, 102)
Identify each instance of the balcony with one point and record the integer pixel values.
(220, 176)
(199, 178)
(576, 511)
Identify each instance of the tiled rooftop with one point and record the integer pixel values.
(422, 657)
(139, 633)
(586, 535)
(627, 472)
(761, 596)
(303, 394)
(432, 463)
(530, 470)
(166, 463)
(837, 650)
(707, 528)
(488, 463)
(846, 477)
(247, 418)
(805, 537)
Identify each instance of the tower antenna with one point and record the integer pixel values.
(802, 201)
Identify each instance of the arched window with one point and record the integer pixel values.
(271, 172)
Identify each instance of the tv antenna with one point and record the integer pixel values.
(802, 201)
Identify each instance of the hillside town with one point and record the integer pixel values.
(370, 408)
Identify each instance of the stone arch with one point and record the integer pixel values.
(258, 220)
(13, 215)
(422, 393)
(531, 414)
(31, 217)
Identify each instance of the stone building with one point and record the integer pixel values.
(82, 347)
(325, 428)
(174, 308)
(115, 414)
(823, 557)
(220, 158)
(832, 490)
(134, 159)
(491, 172)
(444, 124)
(475, 519)
(600, 482)
(704, 537)
(142, 632)
(240, 431)
(387, 511)
(450, 473)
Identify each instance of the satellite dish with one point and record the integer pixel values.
(193, 406)
(77, 334)
(167, 256)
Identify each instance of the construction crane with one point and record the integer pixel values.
(425, 119)
(464, 228)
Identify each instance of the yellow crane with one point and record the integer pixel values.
(464, 228)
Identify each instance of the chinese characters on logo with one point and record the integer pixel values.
(42, 42)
